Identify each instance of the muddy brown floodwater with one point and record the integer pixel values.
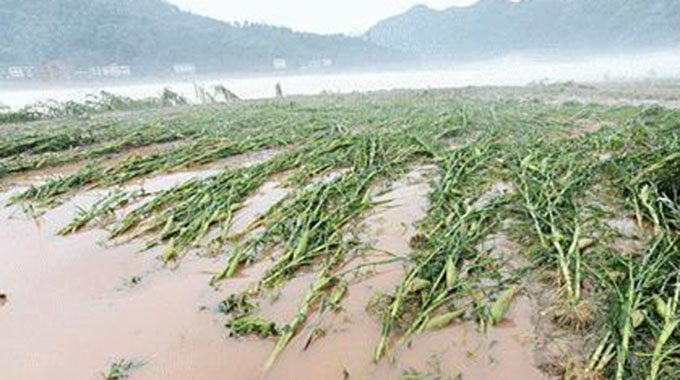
(78, 305)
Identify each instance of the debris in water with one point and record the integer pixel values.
(252, 325)
(121, 370)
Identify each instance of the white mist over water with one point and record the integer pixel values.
(513, 71)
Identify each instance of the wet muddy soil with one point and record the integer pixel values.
(79, 304)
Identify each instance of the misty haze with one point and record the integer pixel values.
(136, 48)
(306, 190)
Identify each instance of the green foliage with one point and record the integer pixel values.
(252, 325)
(152, 35)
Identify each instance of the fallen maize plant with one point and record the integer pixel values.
(336, 154)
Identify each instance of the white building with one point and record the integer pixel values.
(21, 72)
(116, 71)
(184, 68)
(317, 64)
(111, 71)
(279, 64)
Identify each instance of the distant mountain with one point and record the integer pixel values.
(493, 27)
(151, 35)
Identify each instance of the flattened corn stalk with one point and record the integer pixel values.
(455, 229)
(548, 181)
(372, 139)
(310, 221)
(137, 167)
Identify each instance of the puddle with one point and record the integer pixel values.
(390, 228)
(161, 182)
(627, 227)
(497, 190)
(281, 305)
(168, 181)
(43, 175)
(502, 353)
(244, 160)
(257, 205)
(631, 239)
(268, 195)
(500, 247)
(40, 176)
(327, 177)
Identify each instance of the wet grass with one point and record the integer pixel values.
(339, 152)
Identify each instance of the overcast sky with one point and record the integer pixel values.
(320, 16)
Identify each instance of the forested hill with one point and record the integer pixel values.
(151, 35)
(492, 27)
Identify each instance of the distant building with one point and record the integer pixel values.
(316, 64)
(54, 71)
(15, 72)
(21, 72)
(184, 68)
(49, 71)
(279, 64)
(116, 71)
(111, 71)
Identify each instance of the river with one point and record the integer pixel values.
(513, 71)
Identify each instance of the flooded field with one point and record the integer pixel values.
(476, 235)
(90, 303)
